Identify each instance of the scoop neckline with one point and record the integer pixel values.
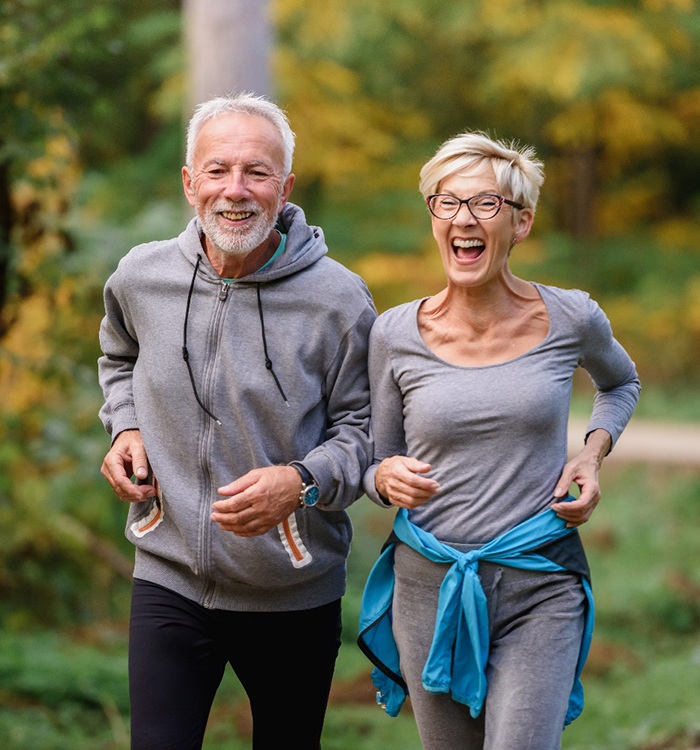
(417, 305)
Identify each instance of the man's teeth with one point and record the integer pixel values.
(236, 215)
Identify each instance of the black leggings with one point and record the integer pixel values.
(178, 651)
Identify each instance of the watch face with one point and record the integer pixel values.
(311, 495)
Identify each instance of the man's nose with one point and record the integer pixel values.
(236, 186)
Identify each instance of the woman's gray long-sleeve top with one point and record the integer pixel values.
(495, 435)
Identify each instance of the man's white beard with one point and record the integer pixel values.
(237, 240)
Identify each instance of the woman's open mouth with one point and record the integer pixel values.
(467, 249)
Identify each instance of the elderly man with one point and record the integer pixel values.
(235, 384)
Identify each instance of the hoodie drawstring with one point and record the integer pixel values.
(186, 354)
(268, 361)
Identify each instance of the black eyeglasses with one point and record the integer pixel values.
(482, 206)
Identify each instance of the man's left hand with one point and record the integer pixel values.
(258, 501)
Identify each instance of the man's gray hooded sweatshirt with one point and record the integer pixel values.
(279, 357)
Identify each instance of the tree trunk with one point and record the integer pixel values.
(5, 238)
(578, 204)
(228, 48)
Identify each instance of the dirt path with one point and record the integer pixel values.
(649, 442)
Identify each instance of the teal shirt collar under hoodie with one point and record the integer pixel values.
(461, 608)
(270, 261)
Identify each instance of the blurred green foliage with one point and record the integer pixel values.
(91, 144)
(80, 88)
(63, 692)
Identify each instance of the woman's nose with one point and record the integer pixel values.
(464, 216)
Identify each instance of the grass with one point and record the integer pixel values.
(642, 546)
(60, 691)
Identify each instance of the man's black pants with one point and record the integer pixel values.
(178, 651)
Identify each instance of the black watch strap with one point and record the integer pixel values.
(304, 473)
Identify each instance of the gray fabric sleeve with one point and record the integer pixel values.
(116, 366)
(339, 462)
(613, 374)
(386, 406)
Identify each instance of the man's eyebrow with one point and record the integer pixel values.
(260, 163)
(211, 162)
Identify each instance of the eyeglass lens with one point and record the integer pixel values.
(483, 206)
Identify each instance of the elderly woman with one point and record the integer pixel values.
(480, 605)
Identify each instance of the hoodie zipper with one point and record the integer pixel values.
(206, 524)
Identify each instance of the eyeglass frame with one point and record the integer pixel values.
(465, 201)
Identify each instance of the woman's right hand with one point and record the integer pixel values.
(399, 479)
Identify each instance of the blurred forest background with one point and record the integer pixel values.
(93, 100)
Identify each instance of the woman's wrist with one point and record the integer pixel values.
(598, 443)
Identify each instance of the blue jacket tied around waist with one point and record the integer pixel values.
(457, 660)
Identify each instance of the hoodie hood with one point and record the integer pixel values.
(305, 246)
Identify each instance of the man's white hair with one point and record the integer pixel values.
(246, 104)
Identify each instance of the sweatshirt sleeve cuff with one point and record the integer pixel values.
(123, 418)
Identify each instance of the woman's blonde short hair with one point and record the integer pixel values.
(519, 173)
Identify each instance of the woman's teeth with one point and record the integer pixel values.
(468, 249)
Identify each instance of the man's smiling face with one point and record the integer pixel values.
(236, 181)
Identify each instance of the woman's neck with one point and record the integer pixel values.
(481, 307)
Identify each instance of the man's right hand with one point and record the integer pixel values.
(127, 457)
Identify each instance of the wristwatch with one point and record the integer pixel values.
(308, 497)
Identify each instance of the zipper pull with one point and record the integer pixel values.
(223, 291)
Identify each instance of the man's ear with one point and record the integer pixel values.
(188, 186)
(287, 187)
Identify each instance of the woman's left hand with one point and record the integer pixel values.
(402, 481)
(583, 470)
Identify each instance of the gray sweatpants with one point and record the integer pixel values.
(536, 624)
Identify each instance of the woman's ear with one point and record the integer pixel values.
(523, 225)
